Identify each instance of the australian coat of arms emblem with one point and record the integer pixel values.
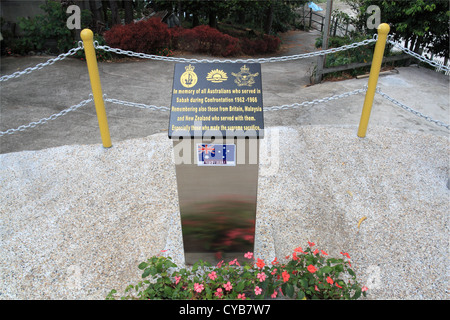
(244, 77)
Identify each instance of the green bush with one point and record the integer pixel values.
(39, 32)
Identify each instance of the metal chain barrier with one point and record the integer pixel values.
(417, 113)
(44, 120)
(44, 64)
(419, 57)
(185, 60)
(134, 104)
(272, 108)
(259, 60)
(315, 101)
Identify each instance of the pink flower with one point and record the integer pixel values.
(241, 296)
(248, 255)
(329, 280)
(258, 290)
(274, 294)
(198, 287)
(273, 272)
(261, 276)
(177, 279)
(315, 288)
(311, 268)
(213, 275)
(233, 262)
(364, 289)
(218, 292)
(228, 286)
(237, 262)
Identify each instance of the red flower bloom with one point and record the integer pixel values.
(311, 244)
(260, 263)
(345, 254)
(329, 280)
(299, 249)
(285, 276)
(311, 268)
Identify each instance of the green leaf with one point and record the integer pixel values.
(153, 271)
(146, 273)
(326, 269)
(240, 286)
(168, 290)
(290, 290)
(300, 295)
(142, 265)
(357, 294)
(304, 283)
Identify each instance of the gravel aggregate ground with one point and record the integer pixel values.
(77, 220)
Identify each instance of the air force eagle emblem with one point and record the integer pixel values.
(244, 77)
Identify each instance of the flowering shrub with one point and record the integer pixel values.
(147, 36)
(204, 39)
(165, 52)
(152, 35)
(307, 274)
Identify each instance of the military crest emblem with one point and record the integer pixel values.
(217, 76)
(189, 78)
(244, 77)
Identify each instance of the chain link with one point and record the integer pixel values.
(259, 60)
(42, 65)
(44, 120)
(418, 56)
(417, 113)
(134, 104)
(315, 101)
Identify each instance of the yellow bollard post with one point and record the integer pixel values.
(383, 30)
(88, 42)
